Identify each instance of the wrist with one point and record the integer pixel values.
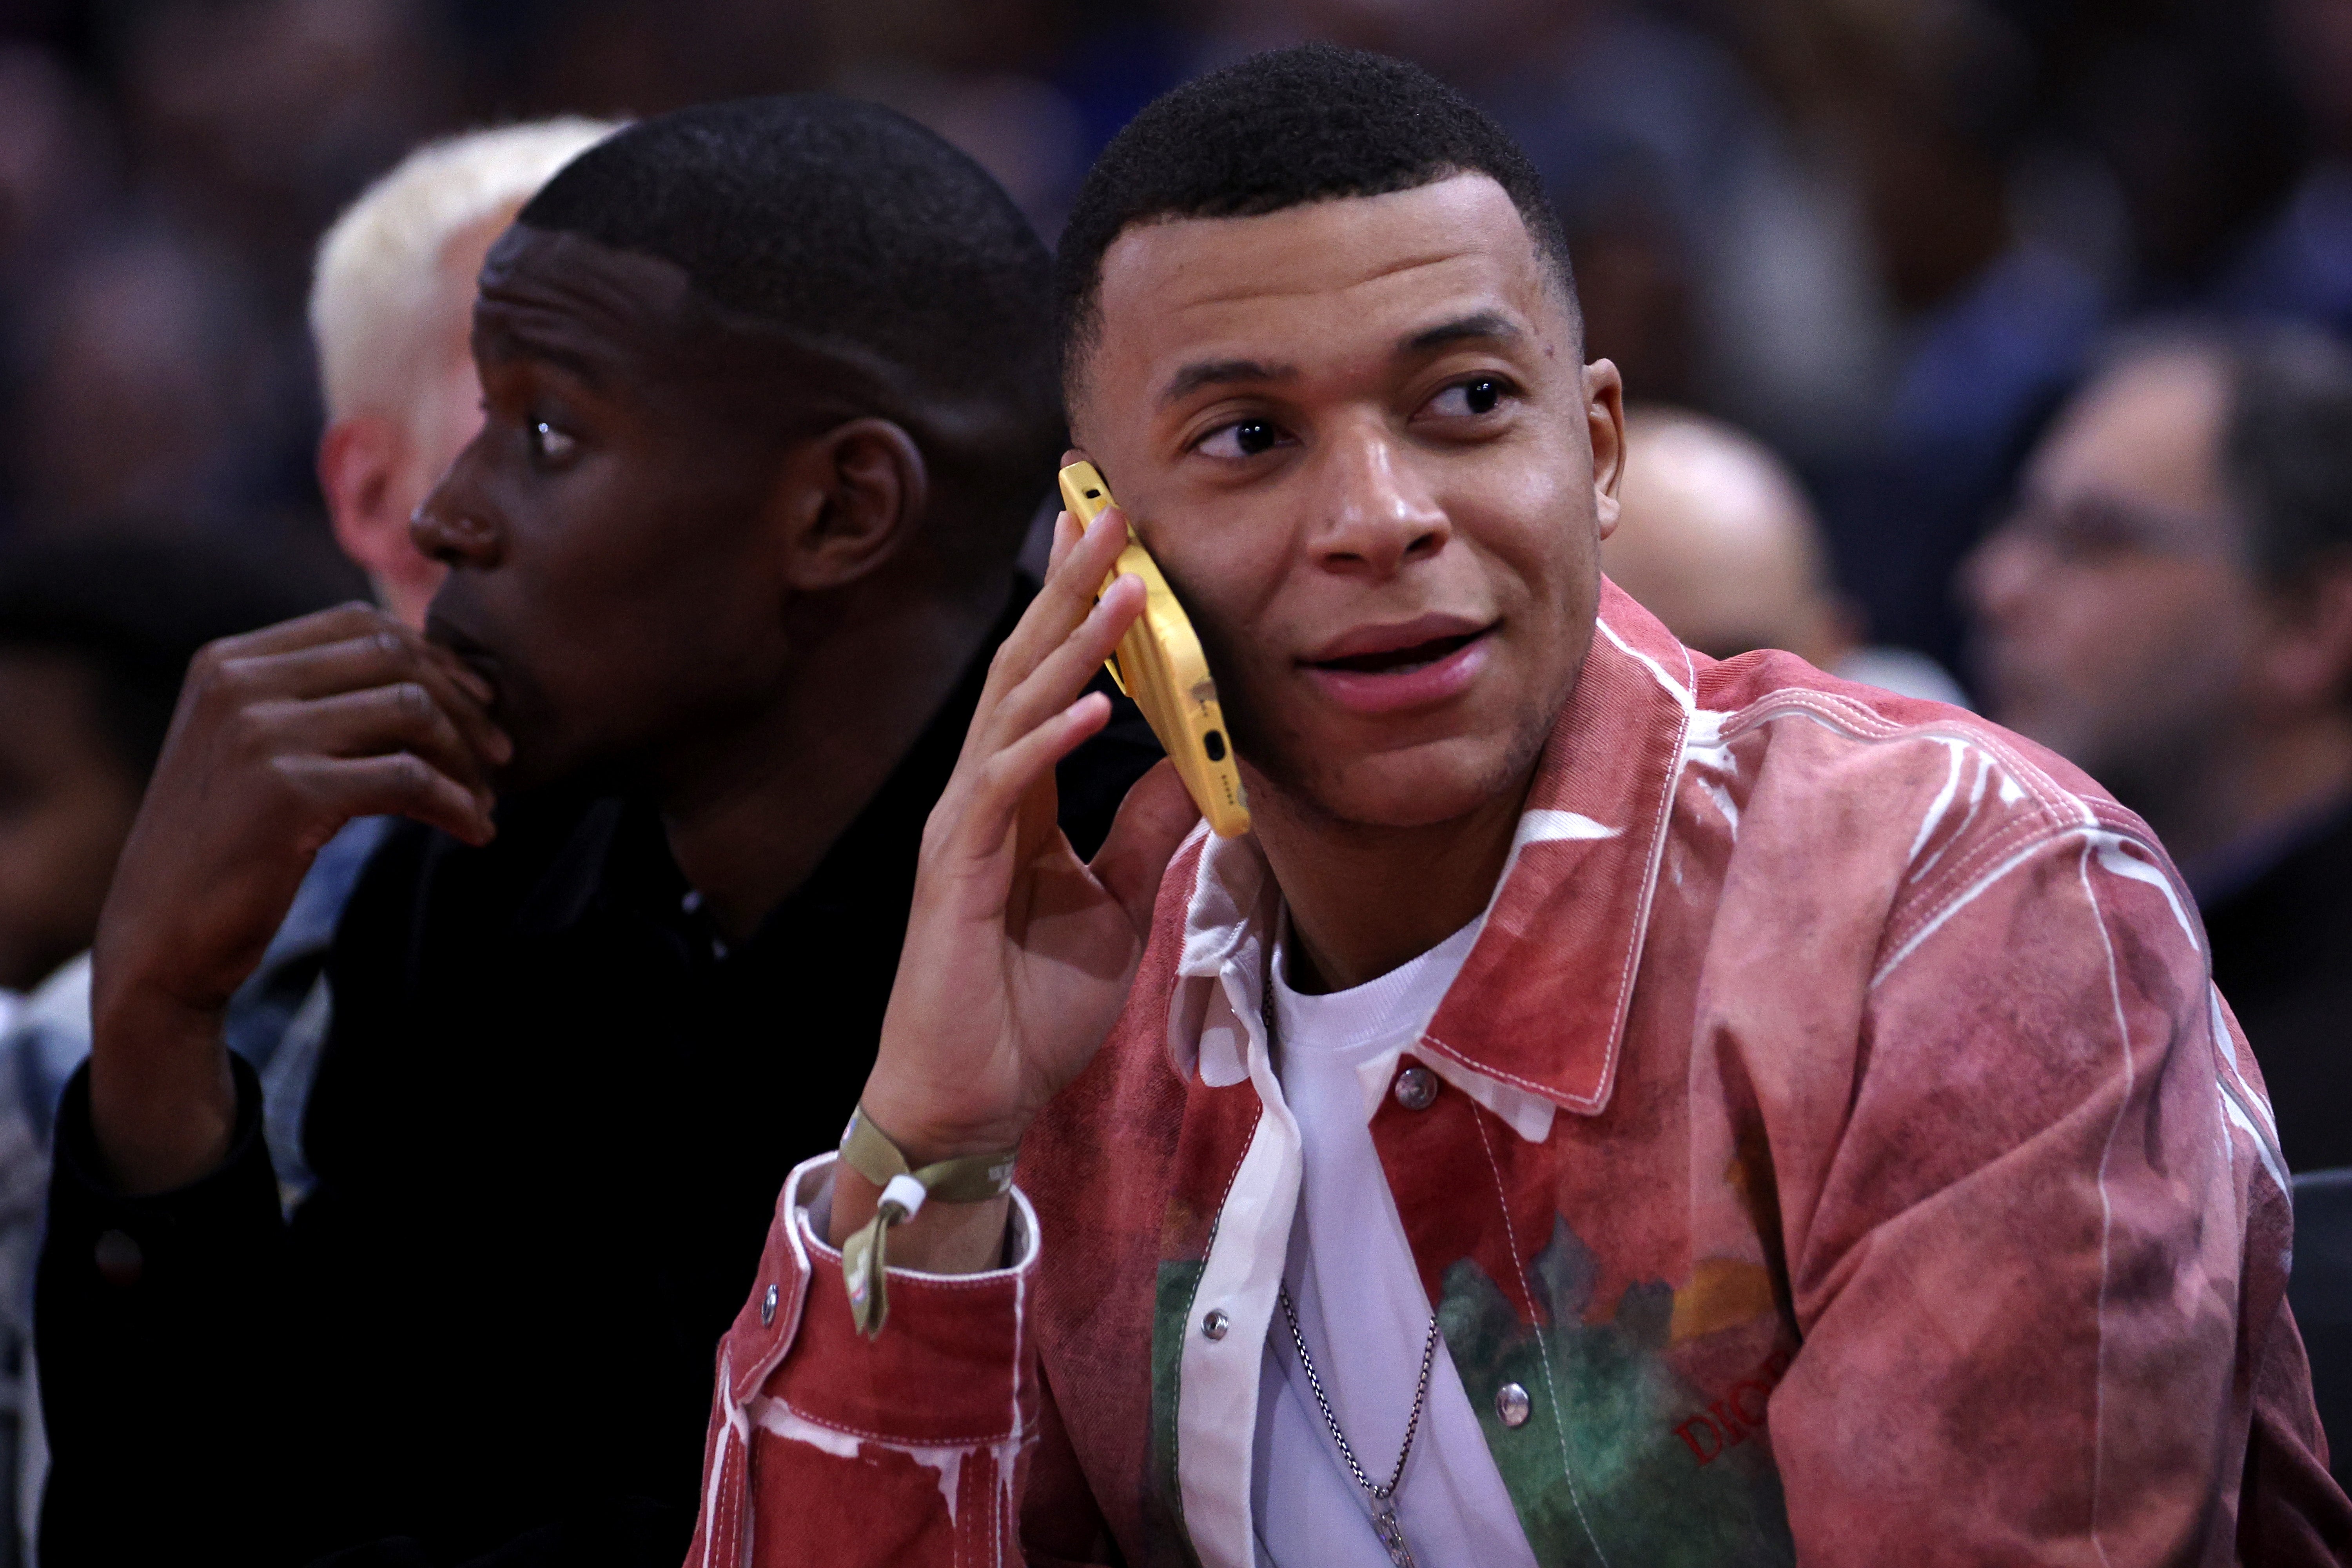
(162, 1101)
(926, 1132)
(130, 1013)
(880, 1192)
(945, 1238)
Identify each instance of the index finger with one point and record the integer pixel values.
(344, 623)
(1061, 605)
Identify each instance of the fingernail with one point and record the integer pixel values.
(502, 746)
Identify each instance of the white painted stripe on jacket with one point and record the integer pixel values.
(2092, 847)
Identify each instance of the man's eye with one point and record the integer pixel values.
(550, 445)
(1243, 438)
(1468, 399)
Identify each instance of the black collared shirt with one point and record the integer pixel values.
(548, 1130)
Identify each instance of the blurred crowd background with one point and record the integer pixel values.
(1881, 235)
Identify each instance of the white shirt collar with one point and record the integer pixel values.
(1214, 1017)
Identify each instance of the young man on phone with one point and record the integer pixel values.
(1615, 1106)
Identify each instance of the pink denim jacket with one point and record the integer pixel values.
(1838, 1141)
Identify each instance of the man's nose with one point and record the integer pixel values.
(1379, 513)
(449, 527)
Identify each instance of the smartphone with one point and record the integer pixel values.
(1160, 664)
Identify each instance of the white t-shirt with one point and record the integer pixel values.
(1362, 1310)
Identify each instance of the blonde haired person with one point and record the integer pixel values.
(391, 313)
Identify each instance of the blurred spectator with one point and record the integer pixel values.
(146, 382)
(2189, 112)
(971, 72)
(1717, 539)
(251, 121)
(978, 72)
(95, 636)
(1927, 105)
(159, 368)
(2170, 607)
(624, 58)
(2301, 265)
(56, 185)
(53, 174)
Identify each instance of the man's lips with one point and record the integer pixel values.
(1379, 647)
(1409, 664)
(466, 651)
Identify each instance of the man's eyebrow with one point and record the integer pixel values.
(503, 342)
(1491, 325)
(1219, 372)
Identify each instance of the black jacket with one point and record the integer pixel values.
(2282, 957)
(548, 1130)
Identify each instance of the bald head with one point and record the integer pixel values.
(1717, 540)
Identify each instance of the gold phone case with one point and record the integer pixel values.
(1160, 664)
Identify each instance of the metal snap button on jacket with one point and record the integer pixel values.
(1215, 1324)
(767, 1307)
(1415, 1087)
(1511, 1403)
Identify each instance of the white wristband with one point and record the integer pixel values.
(907, 1193)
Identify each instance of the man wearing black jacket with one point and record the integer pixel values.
(769, 402)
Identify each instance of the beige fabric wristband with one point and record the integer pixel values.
(864, 1149)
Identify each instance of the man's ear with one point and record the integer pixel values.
(1604, 418)
(359, 460)
(853, 497)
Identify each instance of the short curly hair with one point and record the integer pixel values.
(857, 233)
(1281, 129)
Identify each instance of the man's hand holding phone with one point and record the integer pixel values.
(1018, 955)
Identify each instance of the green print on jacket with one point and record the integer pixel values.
(1164, 1498)
(1655, 1480)
(1613, 1483)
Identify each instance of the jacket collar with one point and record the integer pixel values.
(1540, 1004)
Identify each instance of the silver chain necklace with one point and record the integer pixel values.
(1384, 1519)
(1383, 1497)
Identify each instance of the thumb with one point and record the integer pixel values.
(1152, 822)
